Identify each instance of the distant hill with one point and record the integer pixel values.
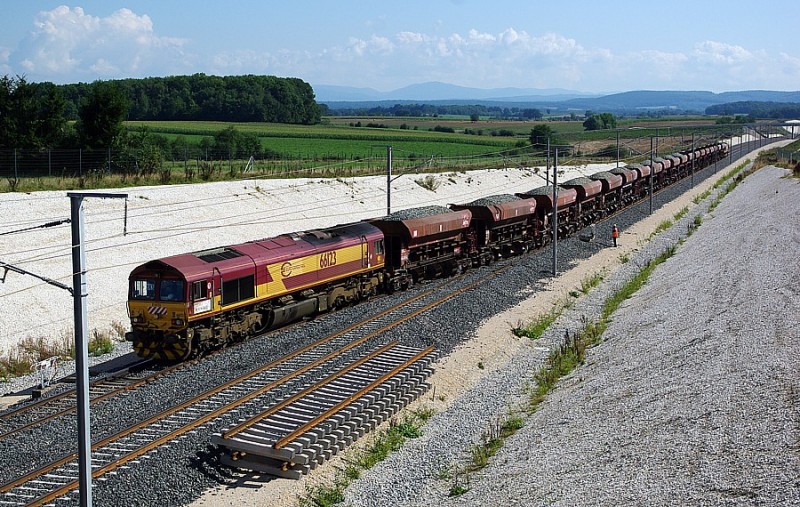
(555, 100)
(681, 100)
(436, 91)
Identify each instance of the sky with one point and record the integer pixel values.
(588, 46)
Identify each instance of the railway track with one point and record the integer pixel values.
(58, 405)
(342, 356)
(294, 436)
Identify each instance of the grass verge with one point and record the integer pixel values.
(387, 441)
(31, 350)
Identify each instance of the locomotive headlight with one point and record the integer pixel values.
(177, 322)
(136, 320)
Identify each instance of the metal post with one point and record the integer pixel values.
(617, 148)
(692, 159)
(652, 174)
(388, 180)
(656, 142)
(555, 212)
(15, 165)
(81, 351)
(547, 167)
(730, 155)
(82, 344)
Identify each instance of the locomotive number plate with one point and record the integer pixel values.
(327, 259)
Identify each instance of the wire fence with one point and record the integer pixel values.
(76, 163)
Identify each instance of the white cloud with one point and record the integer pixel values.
(720, 53)
(67, 43)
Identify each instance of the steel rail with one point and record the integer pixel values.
(291, 399)
(55, 402)
(230, 405)
(349, 399)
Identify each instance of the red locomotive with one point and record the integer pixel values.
(187, 304)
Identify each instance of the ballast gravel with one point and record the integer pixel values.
(692, 398)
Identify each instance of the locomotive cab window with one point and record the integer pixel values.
(171, 290)
(379, 246)
(144, 289)
(199, 290)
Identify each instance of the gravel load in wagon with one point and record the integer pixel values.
(584, 186)
(492, 200)
(682, 156)
(608, 180)
(654, 166)
(425, 222)
(642, 170)
(499, 208)
(544, 197)
(627, 173)
(414, 213)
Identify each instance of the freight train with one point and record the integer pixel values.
(186, 305)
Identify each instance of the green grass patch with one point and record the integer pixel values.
(386, 442)
(591, 281)
(534, 330)
(680, 214)
(572, 352)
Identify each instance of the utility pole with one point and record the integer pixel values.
(547, 170)
(82, 343)
(388, 180)
(555, 211)
(692, 152)
(652, 174)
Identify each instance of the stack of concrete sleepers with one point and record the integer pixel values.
(254, 448)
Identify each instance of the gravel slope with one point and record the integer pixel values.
(691, 400)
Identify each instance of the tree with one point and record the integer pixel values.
(474, 117)
(31, 115)
(602, 121)
(532, 114)
(101, 115)
(541, 133)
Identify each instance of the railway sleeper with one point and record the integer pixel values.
(337, 432)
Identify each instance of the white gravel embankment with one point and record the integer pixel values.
(693, 398)
(175, 219)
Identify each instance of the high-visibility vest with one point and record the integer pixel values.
(614, 232)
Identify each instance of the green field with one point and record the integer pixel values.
(357, 145)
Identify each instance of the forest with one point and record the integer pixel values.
(755, 109)
(248, 98)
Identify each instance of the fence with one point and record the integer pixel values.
(76, 163)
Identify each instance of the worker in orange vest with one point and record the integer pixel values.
(615, 234)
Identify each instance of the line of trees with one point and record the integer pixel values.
(202, 97)
(754, 109)
(431, 110)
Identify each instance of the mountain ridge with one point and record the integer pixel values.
(554, 99)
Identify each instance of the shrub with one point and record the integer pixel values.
(429, 182)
